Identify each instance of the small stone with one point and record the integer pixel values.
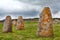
(14, 22)
(20, 23)
(7, 24)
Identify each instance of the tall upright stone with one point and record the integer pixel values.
(7, 24)
(20, 23)
(45, 23)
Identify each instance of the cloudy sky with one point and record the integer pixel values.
(28, 8)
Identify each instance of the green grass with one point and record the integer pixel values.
(29, 33)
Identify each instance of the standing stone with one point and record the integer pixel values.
(20, 23)
(7, 24)
(45, 23)
(14, 22)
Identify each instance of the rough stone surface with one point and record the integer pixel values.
(20, 23)
(14, 22)
(45, 23)
(7, 24)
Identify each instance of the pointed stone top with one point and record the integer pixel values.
(8, 17)
(46, 10)
(46, 7)
(19, 17)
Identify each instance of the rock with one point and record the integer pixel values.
(14, 22)
(45, 23)
(7, 24)
(20, 23)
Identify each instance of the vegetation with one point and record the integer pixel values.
(29, 33)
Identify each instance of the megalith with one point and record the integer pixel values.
(7, 27)
(45, 23)
(20, 23)
(14, 22)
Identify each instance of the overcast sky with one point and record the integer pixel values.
(28, 8)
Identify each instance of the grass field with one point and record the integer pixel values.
(29, 33)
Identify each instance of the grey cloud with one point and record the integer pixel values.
(31, 13)
(54, 4)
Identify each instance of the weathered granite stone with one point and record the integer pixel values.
(45, 23)
(20, 23)
(14, 22)
(7, 24)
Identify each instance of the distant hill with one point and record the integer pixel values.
(34, 19)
